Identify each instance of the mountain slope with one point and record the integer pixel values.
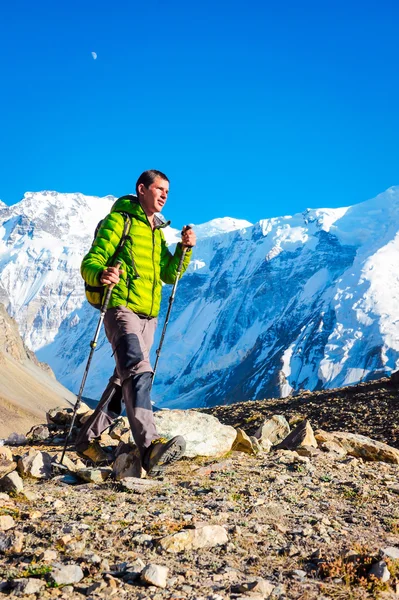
(28, 388)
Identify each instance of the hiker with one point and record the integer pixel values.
(131, 318)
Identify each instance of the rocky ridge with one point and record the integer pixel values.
(280, 509)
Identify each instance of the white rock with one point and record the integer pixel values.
(187, 539)
(391, 552)
(6, 522)
(380, 571)
(28, 586)
(12, 483)
(204, 434)
(155, 575)
(66, 574)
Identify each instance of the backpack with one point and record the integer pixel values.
(95, 294)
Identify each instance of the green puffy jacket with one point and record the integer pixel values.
(145, 258)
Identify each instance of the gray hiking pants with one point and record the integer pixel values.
(131, 337)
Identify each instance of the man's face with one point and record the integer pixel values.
(154, 197)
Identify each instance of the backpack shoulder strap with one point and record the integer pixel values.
(126, 230)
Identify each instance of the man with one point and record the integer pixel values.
(131, 318)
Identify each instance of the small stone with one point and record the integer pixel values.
(28, 586)
(6, 522)
(155, 575)
(16, 439)
(225, 465)
(38, 433)
(380, 571)
(59, 416)
(12, 482)
(98, 475)
(11, 543)
(333, 448)
(187, 539)
(299, 573)
(49, 556)
(134, 484)
(5, 453)
(127, 463)
(35, 514)
(255, 586)
(391, 552)
(6, 466)
(66, 574)
(31, 496)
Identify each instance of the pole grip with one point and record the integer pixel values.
(185, 229)
(109, 290)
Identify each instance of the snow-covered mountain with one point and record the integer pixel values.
(303, 301)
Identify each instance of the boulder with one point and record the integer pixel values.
(301, 435)
(204, 434)
(361, 446)
(35, 464)
(272, 431)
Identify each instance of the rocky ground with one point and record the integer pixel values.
(304, 523)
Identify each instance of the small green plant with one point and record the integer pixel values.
(349, 493)
(35, 570)
(326, 478)
(236, 497)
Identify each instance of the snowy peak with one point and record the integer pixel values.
(307, 301)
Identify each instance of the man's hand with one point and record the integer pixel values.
(110, 275)
(188, 238)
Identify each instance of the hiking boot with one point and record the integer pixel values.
(94, 452)
(162, 453)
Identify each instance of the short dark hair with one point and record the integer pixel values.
(148, 177)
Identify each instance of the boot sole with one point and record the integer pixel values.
(172, 454)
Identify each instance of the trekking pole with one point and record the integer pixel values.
(171, 299)
(93, 345)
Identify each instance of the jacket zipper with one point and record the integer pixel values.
(128, 289)
(153, 267)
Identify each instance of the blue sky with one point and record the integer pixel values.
(253, 109)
